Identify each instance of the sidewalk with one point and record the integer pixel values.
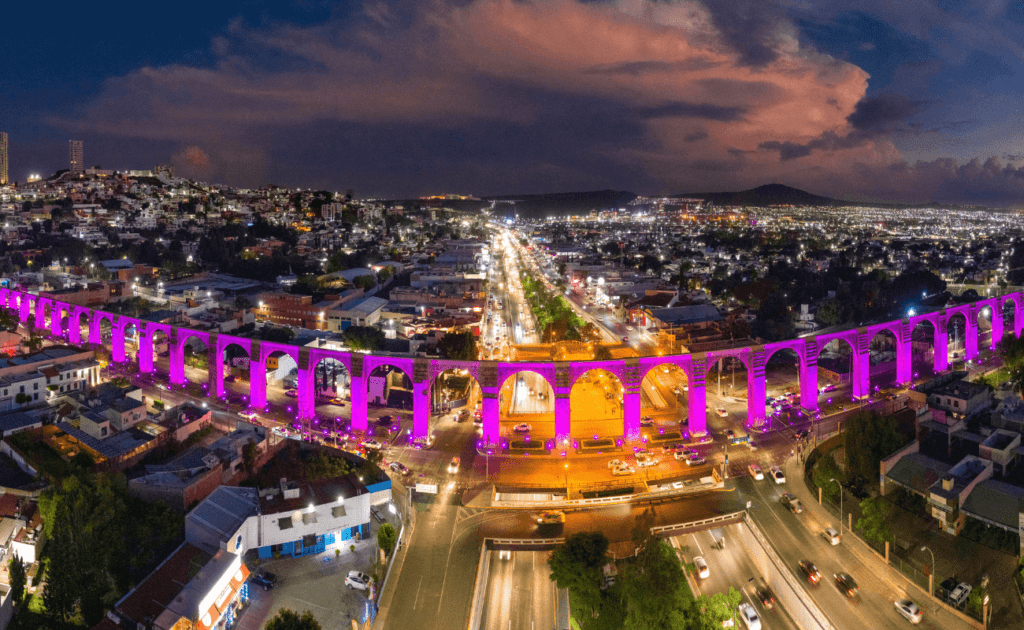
(943, 617)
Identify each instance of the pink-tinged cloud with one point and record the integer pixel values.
(697, 111)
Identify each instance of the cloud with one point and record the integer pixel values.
(417, 96)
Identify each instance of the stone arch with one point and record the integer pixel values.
(957, 329)
(233, 370)
(193, 349)
(776, 358)
(883, 348)
(922, 347)
(664, 392)
(1008, 308)
(596, 401)
(833, 366)
(332, 396)
(389, 386)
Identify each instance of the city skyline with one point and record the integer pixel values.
(855, 101)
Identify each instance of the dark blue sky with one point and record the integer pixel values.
(867, 99)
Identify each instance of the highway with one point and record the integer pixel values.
(519, 594)
(729, 566)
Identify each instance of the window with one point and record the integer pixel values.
(308, 517)
(338, 511)
(285, 523)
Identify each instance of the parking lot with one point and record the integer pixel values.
(315, 583)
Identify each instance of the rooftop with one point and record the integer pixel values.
(965, 390)
(364, 306)
(152, 596)
(693, 314)
(966, 471)
(917, 472)
(112, 447)
(218, 516)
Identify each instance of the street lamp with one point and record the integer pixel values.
(931, 574)
(840, 504)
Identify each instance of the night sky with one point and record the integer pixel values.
(909, 100)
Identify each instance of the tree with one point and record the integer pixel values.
(715, 610)
(16, 570)
(830, 312)
(869, 437)
(287, 619)
(576, 565)
(387, 538)
(460, 345)
(655, 586)
(364, 337)
(824, 471)
(872, 522)
(249, 452)
(602, 353)
(590, 333)
(243, 303)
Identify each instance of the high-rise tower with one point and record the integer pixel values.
(3, 158)
(76, 157)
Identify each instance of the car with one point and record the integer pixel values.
(523, 427)
(620, 471)
(755, 472)
(372, 444)
(748, 615)
(399, 468)
(789, 500)
(722, 413)
(831, 535)
(958, 596)
(453, 466)
(338, 401)
(695, 460)
(357, 580)
(909, 610)
(615, 463)
(828, 388)
(682, 452)
(810, 571)
(264, 579)
(647, 421)
(801, 434)
(846, 584)
(702, 567)
(729, 433)
(552, 517)
(385, 421)
(766, 597)
(462, 415)
(644, 460)
(777, 475)
(291, 393)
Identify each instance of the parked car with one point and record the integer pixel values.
(615, 463)
(357, 580)
(958, 596)
(523, 427)
(377, 513)
(685, 453)
(291, 393)
(385, 421)
(695, 460)
(810, 571)
(372, 444)
(799, 435)
(400, 468)
(264, 579)
(647, 421)
(909, 610)
(702, 567)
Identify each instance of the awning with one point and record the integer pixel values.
(223, 602)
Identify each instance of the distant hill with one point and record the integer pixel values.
(771, 195)
(561, 203)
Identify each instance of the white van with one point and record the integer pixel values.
(755, 472)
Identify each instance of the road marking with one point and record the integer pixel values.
(697, 542)
(416, 601)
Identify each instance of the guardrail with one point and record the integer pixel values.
(598, 501)
(669, 530)
(479, 588)
(522, 543)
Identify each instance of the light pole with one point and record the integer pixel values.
(840, 504)
(931, 574)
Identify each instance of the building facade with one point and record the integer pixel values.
(76, 157)
(3, 158)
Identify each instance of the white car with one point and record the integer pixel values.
(749, 616)
(909, 610)
(523, 427)
(722, 413)
(755, 472)
(777, 475)
(357, 580)
(702, 567)
(644, 460)
(831, 535)
(373, 444)
(620, 471)
(453, 467)
(615, 463)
